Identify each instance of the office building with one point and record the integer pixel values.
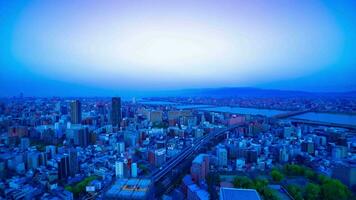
(25, 143)
(308, 147)
(346, 173)
(79, 135)
(134, 170)
(33, 160)
(76, 112)
(51, 150)
(116, 111)
(73, 162)
(338, 152)
(63, 167)
(156, 117)
(119, 169)
(283, 155)
(251, 156)
(173, 117)
(222, 156)
(160, 157)
(288, 132)
(120, 147)
(200, 168)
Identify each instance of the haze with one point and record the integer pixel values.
(107, 47)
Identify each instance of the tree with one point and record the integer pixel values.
(308, 173)
(260, 184)
(276, 175)
(269, 194)
(333, 189)
(80, 186)
(322, 179)
(295, 191)
(312, 192)
(243, 182)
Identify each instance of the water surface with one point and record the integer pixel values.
(245, 111)
(329, 117)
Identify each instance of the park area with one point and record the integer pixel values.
(288, 182)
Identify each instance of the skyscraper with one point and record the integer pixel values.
(119, 169)
(222, 157)
(78, 135)
(116, 111)
(200, 168)
(76, 112)
(134, 170)
(73, 162)
(63, 167)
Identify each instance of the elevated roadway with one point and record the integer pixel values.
(188, 151)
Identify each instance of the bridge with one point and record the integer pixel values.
(188, 151)
(327, 124)
(290, 114)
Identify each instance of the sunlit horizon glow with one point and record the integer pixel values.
(182, 44)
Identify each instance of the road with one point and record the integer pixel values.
(168, 166)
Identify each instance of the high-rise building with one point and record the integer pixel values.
(51, 150)
(120, 147)
(73, 162)
(283, 155)
(200, 168)
(345, 172)
(63, 167)
(251, 155)
(25, 143)
(134, 170)
(173, 117)
(156, 117)
(76, 112)
(79, 136)
(222, 156)
(288, 132)
(308, 147)
(160, 157)
(32, 160)
(116, 111)
(338, 152)
(131, 138)
(119, 169)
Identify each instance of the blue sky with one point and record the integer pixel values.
(115, 47)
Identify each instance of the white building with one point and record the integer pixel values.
(222, 156)
(119, 169)
(134, 170)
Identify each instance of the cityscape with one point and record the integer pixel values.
(177, 100)
(174, 148)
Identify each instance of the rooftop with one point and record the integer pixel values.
(199, 158)
(241, 194)
(130, 189)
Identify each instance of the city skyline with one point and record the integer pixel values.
(126, 48)
(178, 100)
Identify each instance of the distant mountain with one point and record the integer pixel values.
(255, 92)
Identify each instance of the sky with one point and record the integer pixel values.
(87, 48)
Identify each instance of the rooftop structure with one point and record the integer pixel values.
(130, 189)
